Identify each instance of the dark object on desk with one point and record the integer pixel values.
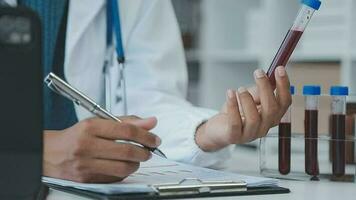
(150, 196)
(21, 99)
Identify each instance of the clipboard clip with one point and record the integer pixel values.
(196, 186)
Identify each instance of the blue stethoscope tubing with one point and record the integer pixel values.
(113, 25)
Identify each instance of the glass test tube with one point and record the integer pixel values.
(284, 141)
(338, 116)
(311, 94)
(293, 36)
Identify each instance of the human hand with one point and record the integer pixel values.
(87, 152)
(247, 114)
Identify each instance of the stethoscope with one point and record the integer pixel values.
(110, 72)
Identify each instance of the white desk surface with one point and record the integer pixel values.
(245, 161)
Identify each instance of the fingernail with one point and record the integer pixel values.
(259, 73)
(281, 71)
(230, 94)
(150, 119)
(158, 141)
(242, 90)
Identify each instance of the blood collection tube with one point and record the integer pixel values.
(338, 116)
(293, 36)
(311, 94)
(284, 142)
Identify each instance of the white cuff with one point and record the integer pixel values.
(188, 151)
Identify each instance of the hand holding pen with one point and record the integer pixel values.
(99, 150)
(87, 151)
(61, 87)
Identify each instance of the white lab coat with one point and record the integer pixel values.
(156, 74)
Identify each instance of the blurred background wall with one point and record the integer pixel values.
(226, 40)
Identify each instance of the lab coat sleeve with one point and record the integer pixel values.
(156, 78)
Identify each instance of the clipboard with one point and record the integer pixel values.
(187, 188)
(161, 178)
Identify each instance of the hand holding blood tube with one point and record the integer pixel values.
(293, 36)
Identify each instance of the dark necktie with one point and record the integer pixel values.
(59, 112)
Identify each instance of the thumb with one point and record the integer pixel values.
(146, 123)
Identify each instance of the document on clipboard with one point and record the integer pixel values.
(164, 177)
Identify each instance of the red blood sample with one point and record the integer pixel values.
(284, 52)
(284, 130)
(338, 144)
(311, 142)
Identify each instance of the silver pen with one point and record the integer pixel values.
(61, 87)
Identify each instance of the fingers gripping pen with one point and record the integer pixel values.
(293, 36)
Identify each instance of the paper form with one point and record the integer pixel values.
(162, 171)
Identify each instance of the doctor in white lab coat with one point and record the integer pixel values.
(156, 78)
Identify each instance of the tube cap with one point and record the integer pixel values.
(315, 4)
(292, 90)
(339, 91)
(311, 90)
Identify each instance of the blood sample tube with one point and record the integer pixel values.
(338, 116)
(293, 36)
(284, 134)
(311, 94)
